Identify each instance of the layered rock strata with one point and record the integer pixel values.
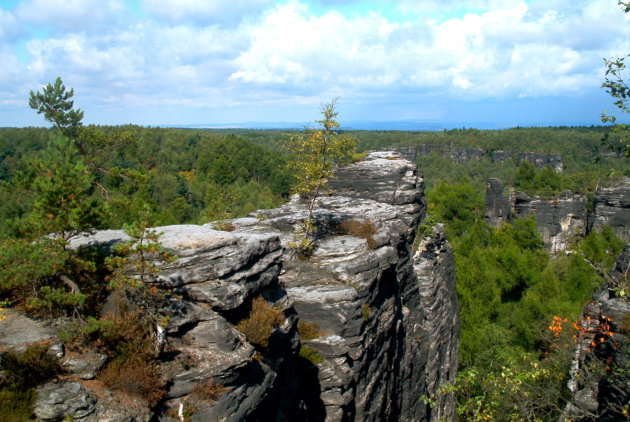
(612, 207)
(560, 220)
(383, 321)
(497, 206)
(380, 345)
(461, 155)
(600, 372)
(542, 160)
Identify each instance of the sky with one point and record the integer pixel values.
(438, 64)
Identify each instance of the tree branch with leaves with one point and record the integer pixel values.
(617, 85)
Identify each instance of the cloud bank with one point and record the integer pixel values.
(179, 59)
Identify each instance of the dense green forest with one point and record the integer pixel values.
(510, 289)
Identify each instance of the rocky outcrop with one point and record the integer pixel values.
(378, 348)
(600, 371)
(435, 365)
(560, 219)
(612, 207)
(500, 156)
(383, 321)
(541, 160)
(461, 155)
(497, 207)
(217, 275)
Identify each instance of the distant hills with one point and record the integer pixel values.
(407, 125)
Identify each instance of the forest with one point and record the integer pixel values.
(513, 365)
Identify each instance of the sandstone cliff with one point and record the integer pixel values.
(564, 218)
(612, 207)
(600, 375)
(385, 319)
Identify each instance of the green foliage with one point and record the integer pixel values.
(366, 311)
(29, 368)
(261, 322)
(616, 84)
(21, 373)
(525, 389)
(310, 354)
(308, 330)
(303, 242)
(134, 266)
(316, 154)
(546, 182)
(54, 102)
(601, 247)
(62, 191)
(15, 406)
(458, 205)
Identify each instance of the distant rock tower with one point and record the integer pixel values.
(498, 207)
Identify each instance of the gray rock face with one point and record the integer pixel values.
(599, 374)
(500, 156)
(85, 365)
(460, 155)
(388, 323)
(378, 321)
(18, 331)
(435, 365)
(612, 208)
(559, 220)
(498, 207)
(57, 401)
(541, 160)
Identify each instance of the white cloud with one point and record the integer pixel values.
(289, 54)
(10, 29)
(504, 51)
(70, 15)
(202, 11)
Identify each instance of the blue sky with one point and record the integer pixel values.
(483, 63)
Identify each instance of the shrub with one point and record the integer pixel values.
(209, 391)
(16, 405)
(23, 371)
(137, 377)
(303, 243)
(124, 337)
(27, 369)
(308, 330)
(310, 355)
(260, 322)
(366, 311)
(224, 226)
(360, 228)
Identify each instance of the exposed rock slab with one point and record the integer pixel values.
(559, 220)
(601, 364)
(612, 207)
(497, 207)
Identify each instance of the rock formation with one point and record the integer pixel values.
(384, 321)
(541, 160)
(600, 374)
(497, 207)
(460, 155)
(612, 207)
(559, 219)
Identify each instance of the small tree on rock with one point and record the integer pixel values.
(317, 153)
